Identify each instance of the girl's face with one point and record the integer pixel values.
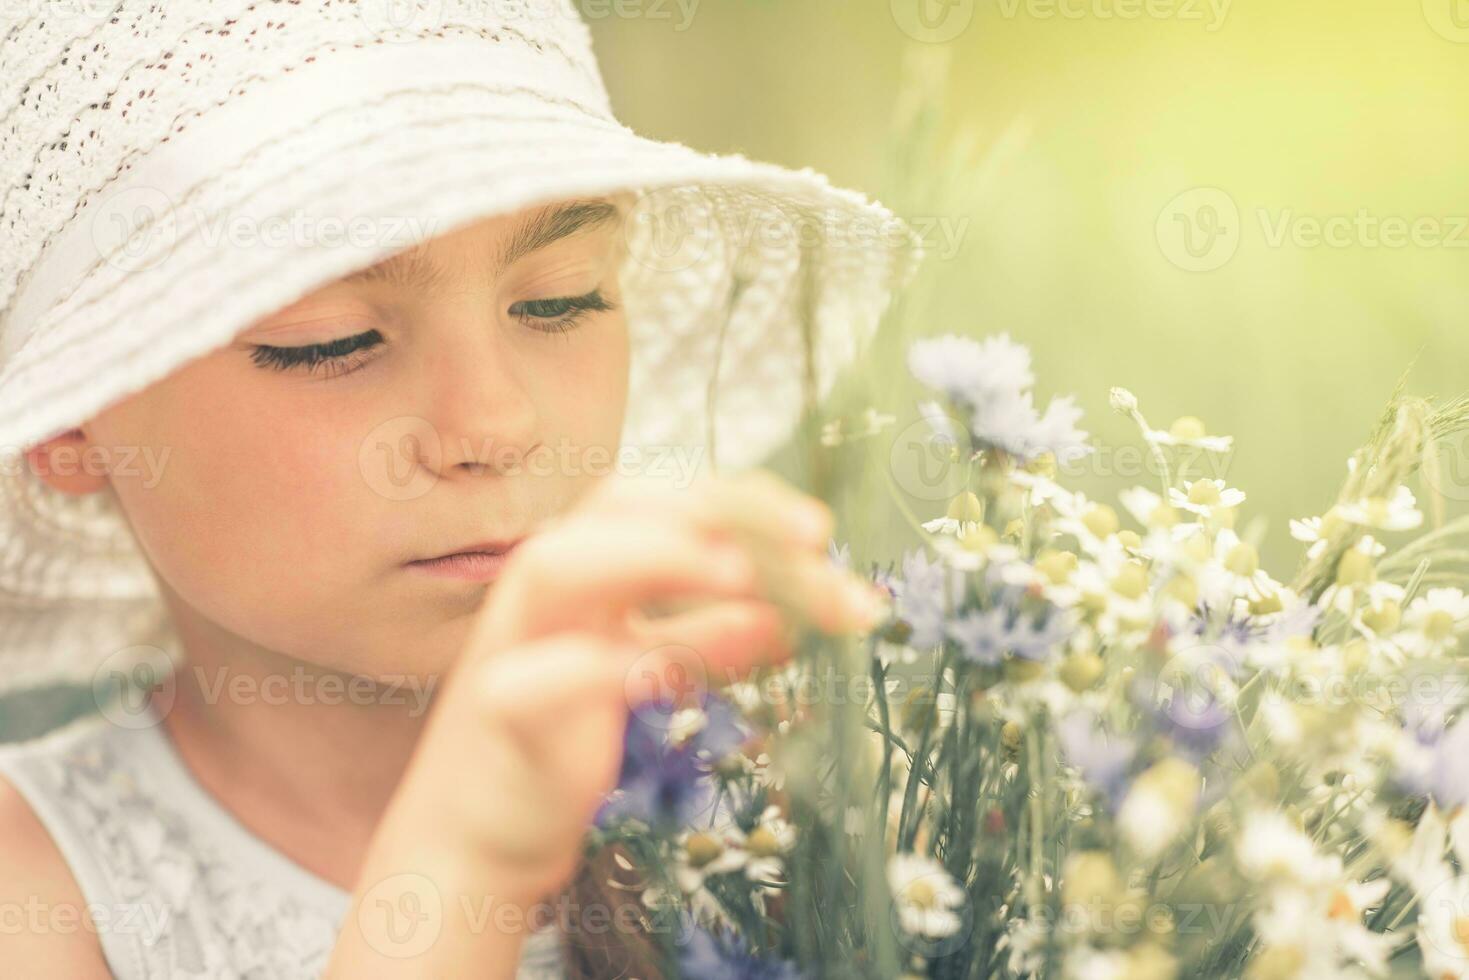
(455, 394)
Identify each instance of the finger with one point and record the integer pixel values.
(589, 577)
(756, 503)
(811, 589)
(729, 638)
(544, 680)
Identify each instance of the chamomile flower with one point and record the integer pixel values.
(1235, 572)
(1443, 930)
(766, 846)
(1309, 531)
(1434, 622)
(1189, 431)
(1205, 497)
(703, 854)
(1355, 572)
(926, 896)
(1396, 513)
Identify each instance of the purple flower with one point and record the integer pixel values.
(666, 784)
(922, 593)
(729, 957)
(1011, 625)
(990, 379)
(1440, 772)
(1103, 759)
(982, 636)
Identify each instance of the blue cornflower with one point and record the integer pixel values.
(923, 590)
(990, 379)
(729, 957)
(668, 784)
(1011, 625)
(1438, 770)
(1102, 758)
(1036, 636)
(983, 637)
(969, 371)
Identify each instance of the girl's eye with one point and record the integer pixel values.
(560, 314)
(338, 356)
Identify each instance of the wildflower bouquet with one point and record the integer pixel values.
(1089, 741)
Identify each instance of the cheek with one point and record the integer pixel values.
(260, 498)
(590, 378)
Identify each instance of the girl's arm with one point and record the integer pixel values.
(44, 931)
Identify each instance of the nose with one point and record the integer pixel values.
(476, 394)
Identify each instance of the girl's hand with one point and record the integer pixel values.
(635, 584)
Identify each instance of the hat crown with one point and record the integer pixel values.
(91, 88)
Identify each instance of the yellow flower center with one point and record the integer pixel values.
(1384, 618)
(1056, 566)
(1460, 929)
(762, 842)
(702, 849)
(1355, 568)
(1131, 582)
(1101, 520)
(1267, 604)
(921, 894)
(1439, 625)
(1341, 907)
(1187, 427)
(1242, 560)
(1081, 671)
(1163, 515)
(1203, 493)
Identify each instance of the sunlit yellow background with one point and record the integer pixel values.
(1087, 130)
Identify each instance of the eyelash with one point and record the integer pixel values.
(557, 315)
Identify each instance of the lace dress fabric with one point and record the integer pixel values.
(176, 886)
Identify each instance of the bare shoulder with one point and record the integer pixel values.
(44, 931)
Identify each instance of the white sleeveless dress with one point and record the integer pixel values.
(177, 887)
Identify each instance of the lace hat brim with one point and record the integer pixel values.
(745, 285)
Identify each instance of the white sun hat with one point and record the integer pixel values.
(172, 172)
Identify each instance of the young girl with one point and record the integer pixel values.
(367, 544)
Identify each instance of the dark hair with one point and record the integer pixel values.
(608, 934)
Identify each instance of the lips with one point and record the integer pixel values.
(474, 562)
(479, 548)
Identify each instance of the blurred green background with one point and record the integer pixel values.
(1144, 185)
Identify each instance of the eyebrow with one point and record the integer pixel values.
(414, 270)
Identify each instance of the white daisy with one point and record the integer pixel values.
(1205, 497)
(925, 895)
(1434, 622)
(1396, 513)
